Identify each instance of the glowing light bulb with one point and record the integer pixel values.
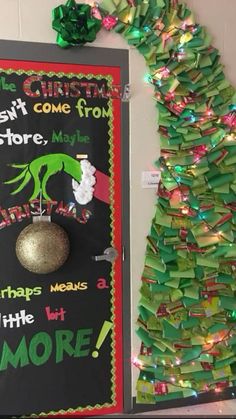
(209, 112)
(192, 118)
(172, 379)
(147, 78)
(179, 169)
(129, 20)
(165, 72)
(136, 362)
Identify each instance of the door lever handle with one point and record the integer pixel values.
(110, 254)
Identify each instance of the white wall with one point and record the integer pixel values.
(30, 20)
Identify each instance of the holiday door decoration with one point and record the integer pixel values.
(60, 207)
(187, 307)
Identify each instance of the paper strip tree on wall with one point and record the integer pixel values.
(187, 308)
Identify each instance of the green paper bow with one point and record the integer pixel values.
(74, 24)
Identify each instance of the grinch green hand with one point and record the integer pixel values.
(54, 163)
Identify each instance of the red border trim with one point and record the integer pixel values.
(115, 73)
(62, 67)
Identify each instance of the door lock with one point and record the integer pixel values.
(110, 254)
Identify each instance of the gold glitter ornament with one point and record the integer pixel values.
(42, 247)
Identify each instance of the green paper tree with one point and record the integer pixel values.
(187, 306)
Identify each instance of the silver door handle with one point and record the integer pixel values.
(109, 254)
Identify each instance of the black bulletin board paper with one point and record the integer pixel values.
(63, 354)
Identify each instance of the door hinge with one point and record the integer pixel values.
(123, 253)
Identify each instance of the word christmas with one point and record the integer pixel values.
(35, 86)
(18, 213)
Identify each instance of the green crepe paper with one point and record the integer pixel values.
(145, 387)
(190, 368)
(207, 261)
(162, 219)
(152, 323)
(149, 305)
(169, 331)
(170, 396)
(206, 376)
(206, 358)
(220, 180)
(154, 261)
(192, 322)
(192, 293)
(109, 6)
(173, 283)
(228, 303)
(160, 373)
(224, 362)
(144, 313)
(216, 327)
(183, 274)
(150, 273)
(198, 340)
(144, 337)
(187, 297)
(145, 398)
(147, 360)
(222, 373)
(175, 295)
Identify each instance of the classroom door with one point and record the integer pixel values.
(61, 332)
